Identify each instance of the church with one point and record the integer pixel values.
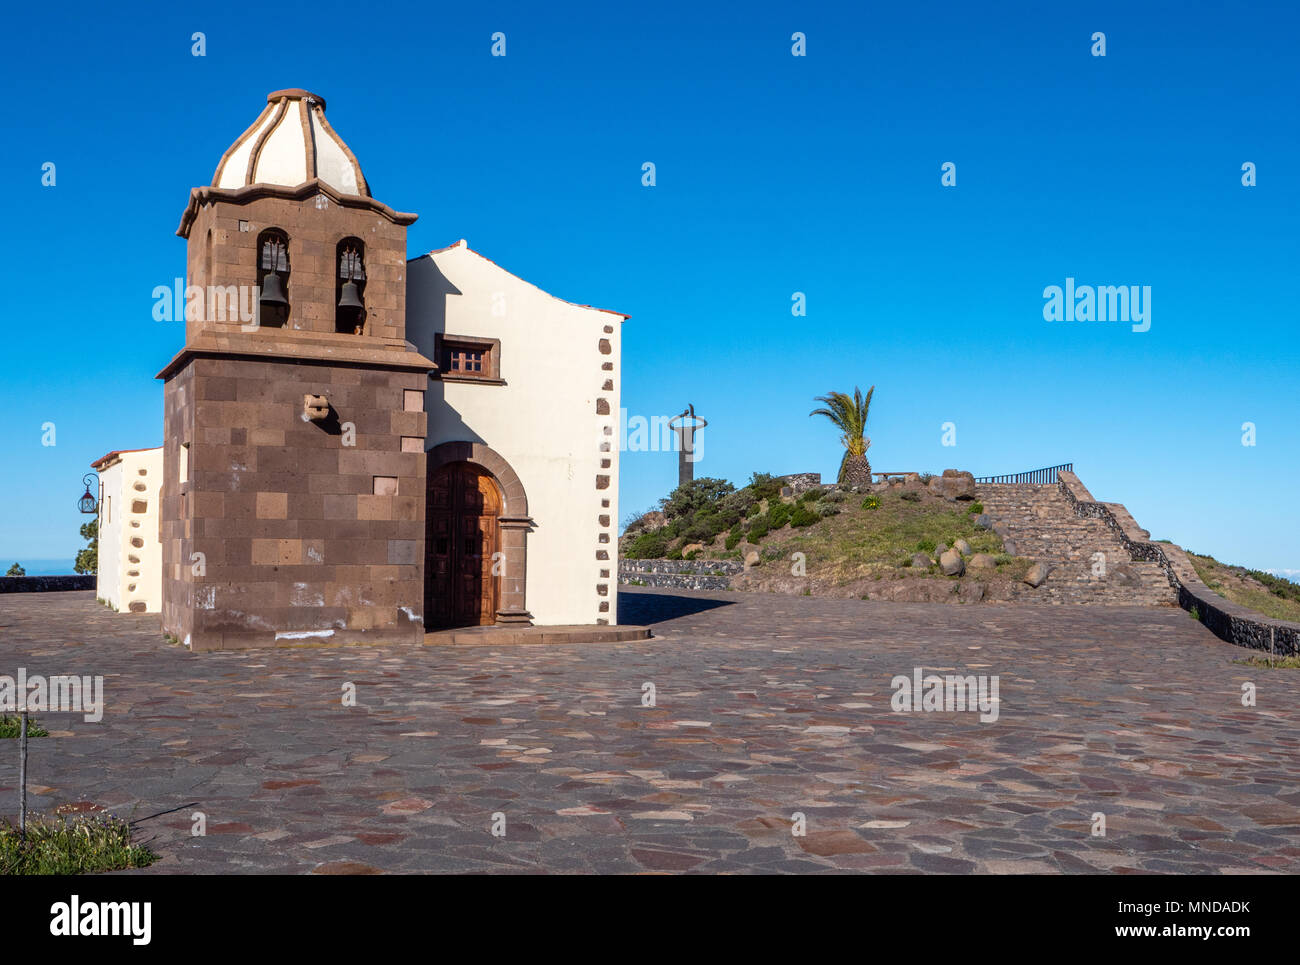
(369, 446)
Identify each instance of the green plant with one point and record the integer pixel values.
(871, 502)
(1194, 613)
(757, 530)
(733, 539)
(803, 516)
(647, 546)
(16, 570)
(926, 546)
(88, 558)
(849, 415)
(925, 477)
(70, 846)
(692, 497)
(975, 509)
(825, 509)
(778, 515)
(12, 727)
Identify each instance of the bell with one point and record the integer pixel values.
(351, 296)
(273, 291)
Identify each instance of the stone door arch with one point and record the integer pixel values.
(503, 527)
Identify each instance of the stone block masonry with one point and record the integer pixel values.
(276, 531)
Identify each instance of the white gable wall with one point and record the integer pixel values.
(543, 421)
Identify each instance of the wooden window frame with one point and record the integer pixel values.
(444, 345)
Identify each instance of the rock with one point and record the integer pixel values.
(958, 485)
(648, 523)
(981, 561)
(921, 561)
(913, 481)
(951, 563)
(751, 559)
(961, 546)
(1037, 574)
(983, 521)
(970, 592)
(940, 550)
(935, 485)
(800, 482)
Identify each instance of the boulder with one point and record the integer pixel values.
(921, 561)
(1037, 575)
(940, 550)
(935, 485)
(648, 523)
(958, 485)
(983, 521)
(751, 559)
(951, 563)
(961, 546)
(981, 561)
(970, 592)
(913, 481)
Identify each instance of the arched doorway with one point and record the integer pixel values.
(462, 541)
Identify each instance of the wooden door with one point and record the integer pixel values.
(461, 540)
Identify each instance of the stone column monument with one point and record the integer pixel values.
(686, 424)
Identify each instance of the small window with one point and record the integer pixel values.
(462, 357)
(273, 278)
(350, 288)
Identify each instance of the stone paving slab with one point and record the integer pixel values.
(766, 705)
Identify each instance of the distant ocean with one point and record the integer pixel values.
(38, 567)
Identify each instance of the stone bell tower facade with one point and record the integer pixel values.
(293, 497)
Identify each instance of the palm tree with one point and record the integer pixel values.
(849, 414)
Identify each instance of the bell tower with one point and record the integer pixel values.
(294, 469)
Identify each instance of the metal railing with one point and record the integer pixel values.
(1036, 476)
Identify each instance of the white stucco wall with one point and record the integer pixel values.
(543, 421)
(108, 577)
(130, 553)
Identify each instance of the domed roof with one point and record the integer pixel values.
(289, 144)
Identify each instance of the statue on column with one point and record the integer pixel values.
(686, 424)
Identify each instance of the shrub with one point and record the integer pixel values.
(764, 485)
(757, 530)
(694, 496)
(926, 546)
(871, 502)
(647, 546)
(778, 515)
(733, 539)
(833, 496)
(825, 509)
(803, 516)
(975, 509)
(925, 477)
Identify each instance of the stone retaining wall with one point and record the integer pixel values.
(1227, 620)
(45, 584)
(679, 574)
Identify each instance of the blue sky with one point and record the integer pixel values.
(775, 174)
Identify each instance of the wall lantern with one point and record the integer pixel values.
(87, 503)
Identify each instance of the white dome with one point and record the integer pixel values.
(291, 143)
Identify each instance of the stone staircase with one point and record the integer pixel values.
(1038, 522)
